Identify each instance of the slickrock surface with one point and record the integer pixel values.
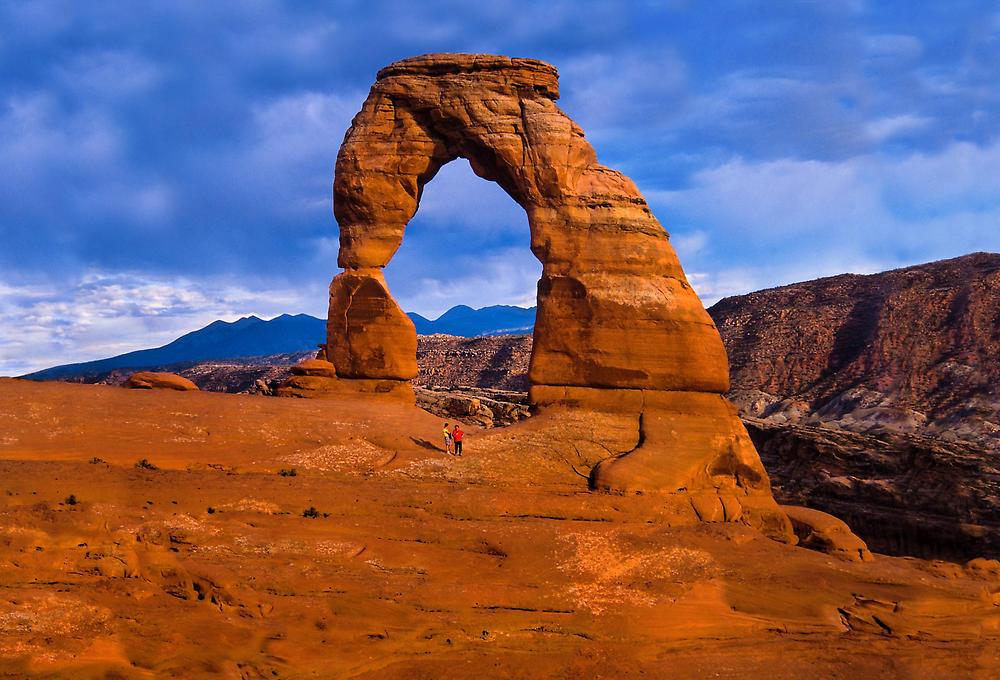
(912, 350)
(820, 531)
(416, 564)
(903, 494)
(618, 327)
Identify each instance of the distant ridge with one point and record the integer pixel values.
(469, 323)
(252, 336)
(249, 336)
(913, 349)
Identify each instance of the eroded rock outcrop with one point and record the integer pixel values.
(150, 380)
(817, 530)
(618, 325)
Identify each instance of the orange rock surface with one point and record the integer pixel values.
(314, 367)
(415, 563)
(150, 380)
(821, 531)
(615, 311)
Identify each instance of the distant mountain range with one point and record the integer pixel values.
(252, 336)
(467, 322)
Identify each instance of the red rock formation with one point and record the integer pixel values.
(413, 563)
(618, 326)
(826, 533)
(149, 380)
(615, 309)
(903, 494)
(314, 367)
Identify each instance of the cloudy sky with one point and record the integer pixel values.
(166, 164)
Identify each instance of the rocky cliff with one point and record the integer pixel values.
(904, 494)
(914, 350)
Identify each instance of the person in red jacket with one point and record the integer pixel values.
(456, 436)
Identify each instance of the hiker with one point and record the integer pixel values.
(447, 438)
(457, 435)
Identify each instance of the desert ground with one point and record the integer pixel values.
(416, 564)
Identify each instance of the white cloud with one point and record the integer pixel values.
(505, 277)
(457, 196)
(609, 93)
(714, 285)
(108, 73)
(58, 163)
(293, 147)
(101, 314)
(882, 129)
(797, 220)
(689, 244)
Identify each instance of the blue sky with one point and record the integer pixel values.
(170, 164)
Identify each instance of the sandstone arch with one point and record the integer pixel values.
(614, 307)
(618, 326)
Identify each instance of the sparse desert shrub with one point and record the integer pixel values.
(287, 473)
(211, 510)
(144, 464)
(310, 512)
(70, 500)
(96, 461)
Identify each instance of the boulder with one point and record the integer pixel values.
(315, 367)
(370, 335)
(819, 531)
(149, 380)
(983, 568)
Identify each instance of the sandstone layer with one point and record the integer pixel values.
(617, 327)
(412, 563)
